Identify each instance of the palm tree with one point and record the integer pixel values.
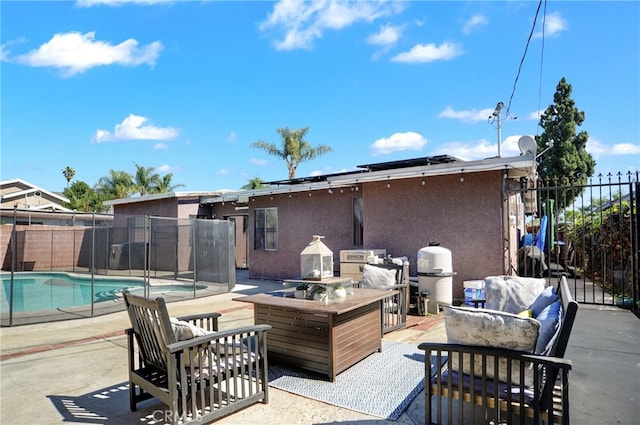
(118, 185)
(146, 181)
(254, 183)
(165, 186)
(68, 174)
(294, 148)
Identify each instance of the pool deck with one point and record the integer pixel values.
(75, 371)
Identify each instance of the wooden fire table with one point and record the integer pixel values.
(323, 337)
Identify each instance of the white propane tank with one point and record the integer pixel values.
(435, 275)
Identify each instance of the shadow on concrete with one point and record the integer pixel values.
(107, 406)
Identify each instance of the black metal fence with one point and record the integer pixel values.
(62, 272)
(588, 232)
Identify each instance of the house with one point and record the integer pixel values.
(22, 195)
(473, 208)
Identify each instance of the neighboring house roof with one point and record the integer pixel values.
(168, 195)
(24, 195)
(515, 167)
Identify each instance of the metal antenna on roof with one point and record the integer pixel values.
(495, 116)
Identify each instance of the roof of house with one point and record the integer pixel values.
(167, 195)
(515, 167)
(17, 190)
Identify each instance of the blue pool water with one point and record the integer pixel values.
(46, 291)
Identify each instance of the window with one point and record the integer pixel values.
(266, 229)
(357, 222)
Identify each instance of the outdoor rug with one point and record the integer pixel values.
(382, 385)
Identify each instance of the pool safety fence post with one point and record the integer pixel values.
(14, 252)
(146, 272)
(193, 223)
(51, 252)
(93, 257)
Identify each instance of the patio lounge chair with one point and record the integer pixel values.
(389, 276)
(510, 386)
(201, 378)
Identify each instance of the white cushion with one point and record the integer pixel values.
(377, 277)
(512, 294)
(184, 331)
(490, 328)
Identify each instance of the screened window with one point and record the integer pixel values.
(357, 222)
(266, 229)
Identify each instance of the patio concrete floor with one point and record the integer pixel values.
(75, 371)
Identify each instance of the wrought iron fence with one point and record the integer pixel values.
(592, 238)
(62, 272)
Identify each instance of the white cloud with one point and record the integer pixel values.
(75, 53)
(469, 116)
(480, 149)
(535, 115)
(303, 22)
(597, 148)
(398, 142)
(553, 24)
(256, 161)
(133, 128)
(474, 22)
(166, 168)
(423, 53)
(387, 36)
(223, 171)
(160, 146)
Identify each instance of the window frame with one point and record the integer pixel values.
(265, 229)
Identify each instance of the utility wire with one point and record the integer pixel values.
(544, 24)
(533, 27)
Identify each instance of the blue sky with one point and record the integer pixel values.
(187, 86)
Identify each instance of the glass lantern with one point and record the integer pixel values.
(316, 260)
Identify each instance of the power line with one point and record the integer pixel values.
(533, 27)
(544, 22)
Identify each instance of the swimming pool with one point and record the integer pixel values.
(46, 291)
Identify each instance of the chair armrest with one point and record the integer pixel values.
(206, 339)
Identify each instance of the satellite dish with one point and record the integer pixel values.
(527, 145)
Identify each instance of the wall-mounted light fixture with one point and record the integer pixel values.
(388, 182)
(461, 176)
(423, 180)
(242, 207)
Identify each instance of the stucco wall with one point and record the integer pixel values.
(464, 217)
(299, 218)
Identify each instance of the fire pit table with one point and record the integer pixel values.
(326, 337)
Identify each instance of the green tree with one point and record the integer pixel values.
(145, 181)
(254, 183)
(295, 149)
(165, 185)
(118, 184)
(68, 174)
(566, 160)
(83, 198)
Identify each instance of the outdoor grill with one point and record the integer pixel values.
(435, 276)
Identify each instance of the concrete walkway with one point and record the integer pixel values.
(75, 371)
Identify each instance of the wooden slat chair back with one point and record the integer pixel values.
(396, 306)
(199, 379)
(503, 399)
